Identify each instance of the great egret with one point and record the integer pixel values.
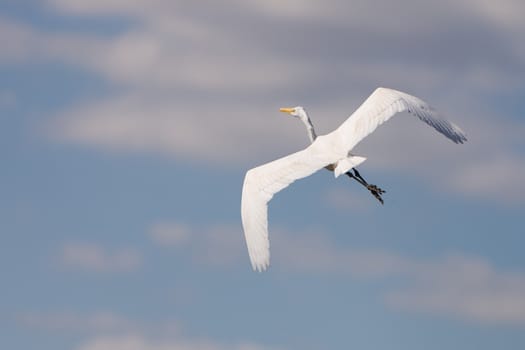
(331, 150)
(300, 113)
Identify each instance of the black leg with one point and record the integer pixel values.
(376, 191)
(356, 173)
(358, 179)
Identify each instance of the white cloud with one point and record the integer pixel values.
(206, 88)
(463, 287)
(491, 165)
(93, 257)
(313, 252)
(139, 342)
(459, 286)
(504, 14)
(138, 8)
(16, 40)
(454, 285)
(98, 323)
(164, 54)
(170, 233)
(499, 176)
(21, 43)
(107, 330)
(73, 322)
(195, 131)
(174, 44)
(218, 246)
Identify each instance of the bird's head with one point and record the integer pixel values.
(297, 112)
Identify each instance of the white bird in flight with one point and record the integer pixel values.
(332, 151)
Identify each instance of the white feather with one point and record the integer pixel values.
(347, 164)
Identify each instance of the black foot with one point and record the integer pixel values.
(377, 192)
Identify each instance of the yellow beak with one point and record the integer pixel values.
(286, 110)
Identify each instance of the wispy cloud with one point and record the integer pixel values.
(24, 44)
(500, 177)
(94, 257)
(463, 287)
(170, 233)
(218, 246)
(205, 87)
(460, 286)
(107, 330)
(16, 40)
(139, 342)
(74, 322)
(454, 285)
(140, 123)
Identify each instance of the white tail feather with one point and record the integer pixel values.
(347, 163)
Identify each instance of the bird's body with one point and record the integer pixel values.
(332, 151)
(301, 114)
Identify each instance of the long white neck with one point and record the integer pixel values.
(309, 126)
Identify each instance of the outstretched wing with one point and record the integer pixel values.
(262, 182)
(382, 105)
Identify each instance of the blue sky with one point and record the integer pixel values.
(128, 127)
